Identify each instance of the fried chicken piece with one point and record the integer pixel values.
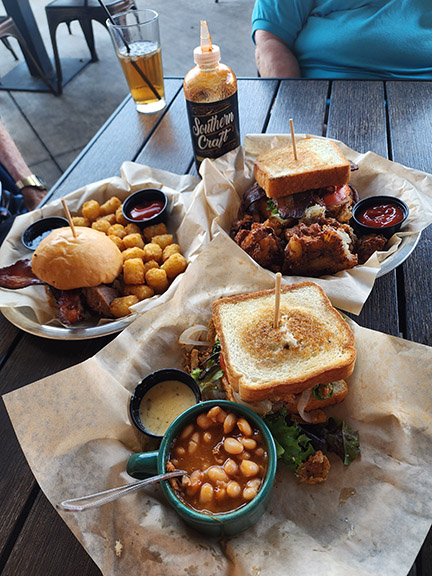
(315, 469)
(325, 247)
(262, 244)
(244, 223)
(278, 226)
(368, 244)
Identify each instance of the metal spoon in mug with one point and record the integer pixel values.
(100, 498)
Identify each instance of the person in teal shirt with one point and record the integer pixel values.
(343, 38)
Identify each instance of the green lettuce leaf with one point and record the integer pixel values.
(292, 445)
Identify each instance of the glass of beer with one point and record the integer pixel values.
(135, 35)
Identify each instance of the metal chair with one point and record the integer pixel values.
(9, 28)
(84, 11)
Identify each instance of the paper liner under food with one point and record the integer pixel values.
(368, 518)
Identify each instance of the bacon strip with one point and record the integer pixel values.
(18, 275)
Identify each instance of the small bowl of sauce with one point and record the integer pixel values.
(146, 207)
(40, 229)
(160, 397)
(380, 215)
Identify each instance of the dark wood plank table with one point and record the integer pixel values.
(393, 119)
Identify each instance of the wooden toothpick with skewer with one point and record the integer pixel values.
(293, 138)
(277, 300)
(69, 217)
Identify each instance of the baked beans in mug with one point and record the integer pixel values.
(225, 458)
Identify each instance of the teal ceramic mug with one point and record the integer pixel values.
(219, 524)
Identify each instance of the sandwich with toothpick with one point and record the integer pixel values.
(287, 366)
(295, 218)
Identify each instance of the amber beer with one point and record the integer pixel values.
(135, 35)
(146, 57)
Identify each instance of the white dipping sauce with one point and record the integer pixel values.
(163, 403)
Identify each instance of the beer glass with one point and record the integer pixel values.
(135, 35)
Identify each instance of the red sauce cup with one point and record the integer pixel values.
(146, 207)
(379, 215)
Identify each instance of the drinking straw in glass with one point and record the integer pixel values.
(135, 35)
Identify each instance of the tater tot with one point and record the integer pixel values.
(133, 252)
(141, 291)
(117, 241)
(110, 206)
(152, 252)
(91, 210)
(163, 240)
(120, 218)
(133, 271)
(155, 230)
(101, 225)
(150, 264)
(117, 230)
(157, 279)
(132, 228)
(175, 265)
(111, 218)
(119, 307)
(169, 251)
(131, 240)
(80, 221)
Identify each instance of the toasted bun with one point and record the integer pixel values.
(66, 262)
(313, 344)
(319, 163)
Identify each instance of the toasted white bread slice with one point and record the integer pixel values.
(320, 163)
(312, 345)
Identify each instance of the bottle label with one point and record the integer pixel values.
(214, 127)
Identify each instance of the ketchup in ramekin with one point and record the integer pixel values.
(146, 207)
(379, 215)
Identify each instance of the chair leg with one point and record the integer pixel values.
(26, 51)
(9, 47)
(53, 30)
(87, 28)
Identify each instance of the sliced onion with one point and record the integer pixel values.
(190, 336)
(262, 408)
(301, 405)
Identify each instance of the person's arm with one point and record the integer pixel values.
(13, 161)
(273, 57)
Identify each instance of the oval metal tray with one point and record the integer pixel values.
(25, 319)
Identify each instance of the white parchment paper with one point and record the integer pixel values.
(369, 518)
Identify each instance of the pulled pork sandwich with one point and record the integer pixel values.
(295, 217)
(287, 372)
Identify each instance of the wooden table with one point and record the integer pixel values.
(393, 119)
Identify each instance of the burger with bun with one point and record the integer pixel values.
(79, 272)
(85, 260)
